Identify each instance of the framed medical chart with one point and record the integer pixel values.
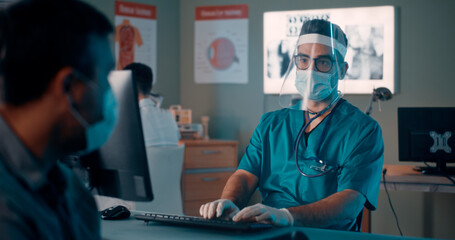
(136, 35)
(371, 46)
(221, 44)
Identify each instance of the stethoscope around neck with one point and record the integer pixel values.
(324, 168)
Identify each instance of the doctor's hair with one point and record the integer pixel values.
(324, 27)
(40, 37)
(142, 75)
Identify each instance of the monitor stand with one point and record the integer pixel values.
(440, 169)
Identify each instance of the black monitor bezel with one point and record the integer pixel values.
(404, 131)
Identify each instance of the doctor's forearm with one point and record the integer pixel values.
(337, 207)
(239, 188)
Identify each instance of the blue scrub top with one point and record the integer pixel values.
(353, 141)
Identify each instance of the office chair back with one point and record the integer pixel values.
(165, 168)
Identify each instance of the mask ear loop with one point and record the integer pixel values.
(76, 114)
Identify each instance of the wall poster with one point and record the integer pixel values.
(371, 46)
(135, 35)
(221, 44)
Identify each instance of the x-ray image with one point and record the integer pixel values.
(370, 52)
(278, 58)
(365, 52)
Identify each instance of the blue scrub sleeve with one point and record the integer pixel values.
(363, 166)
(252, 159)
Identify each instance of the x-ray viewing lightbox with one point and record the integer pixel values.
(371, 46)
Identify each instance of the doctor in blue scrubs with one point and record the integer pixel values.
(317, 162)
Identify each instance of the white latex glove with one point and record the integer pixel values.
(265, 214)
(218, 208)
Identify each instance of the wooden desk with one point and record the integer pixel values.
(404, 178)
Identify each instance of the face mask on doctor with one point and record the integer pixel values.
(97, 133)
(314, 71)
(317, 85)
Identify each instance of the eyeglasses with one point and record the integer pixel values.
(323, 64)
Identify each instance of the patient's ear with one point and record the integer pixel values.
(59, 87)
(62, 80)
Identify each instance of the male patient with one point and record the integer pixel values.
(56, 99)
(159, 126)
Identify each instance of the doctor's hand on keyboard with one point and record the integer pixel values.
(265, 214)
(221, 208)
(226, 209)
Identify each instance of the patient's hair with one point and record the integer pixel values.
(39, 37)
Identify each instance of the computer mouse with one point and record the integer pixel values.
(115, 213)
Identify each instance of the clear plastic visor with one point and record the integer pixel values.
(311, 80)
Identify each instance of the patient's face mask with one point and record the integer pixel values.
(97, 133)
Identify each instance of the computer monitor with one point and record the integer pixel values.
(119, 168)
(427, 135)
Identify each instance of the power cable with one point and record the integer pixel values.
(390, 201)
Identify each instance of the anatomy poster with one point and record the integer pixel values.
(135, 35)
(221, 44)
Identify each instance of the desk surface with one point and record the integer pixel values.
(404, 178)
(135, 229)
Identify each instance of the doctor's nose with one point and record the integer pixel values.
(312, 66)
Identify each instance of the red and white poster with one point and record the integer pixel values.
(221, 44)
(135, 35)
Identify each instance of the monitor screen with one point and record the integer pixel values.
(119, 168)
(426, 134)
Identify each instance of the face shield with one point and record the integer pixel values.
(316, 67)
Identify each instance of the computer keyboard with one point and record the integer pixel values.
(200, 222)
